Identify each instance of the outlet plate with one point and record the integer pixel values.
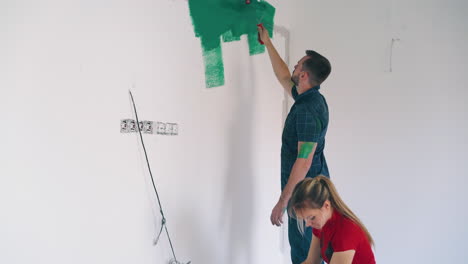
(149, 127)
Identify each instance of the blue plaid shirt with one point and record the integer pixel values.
(307, 121)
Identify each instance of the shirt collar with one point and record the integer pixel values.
(312, 90)
(332, 221)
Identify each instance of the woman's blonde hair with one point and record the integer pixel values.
(313, 192)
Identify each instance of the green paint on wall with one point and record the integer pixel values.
(227, 20)
(229, 37)
(254, 46)
(214, 67)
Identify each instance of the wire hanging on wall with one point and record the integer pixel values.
(163, 220)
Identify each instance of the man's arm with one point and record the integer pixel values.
(279, 66)
(300, 168)
(298, 173)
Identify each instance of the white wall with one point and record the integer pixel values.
(397, 141)
(75, 190)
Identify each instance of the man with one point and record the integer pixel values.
(303, 139)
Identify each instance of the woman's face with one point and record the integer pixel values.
(316, 218)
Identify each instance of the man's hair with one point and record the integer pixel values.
(317, 66)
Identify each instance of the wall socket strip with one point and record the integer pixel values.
(149, 127)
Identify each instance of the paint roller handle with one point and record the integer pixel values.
(259, 38)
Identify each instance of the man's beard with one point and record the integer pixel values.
(295, 80)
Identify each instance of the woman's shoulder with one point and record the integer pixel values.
(348, 235)
(349, 228)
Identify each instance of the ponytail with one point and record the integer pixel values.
(313, 192)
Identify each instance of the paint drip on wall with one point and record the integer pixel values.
(217, 21)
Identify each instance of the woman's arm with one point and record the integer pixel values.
(343, 257)
(314, 252)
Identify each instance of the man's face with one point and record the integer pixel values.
(295, 76)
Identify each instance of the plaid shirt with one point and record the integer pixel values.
(307, 121)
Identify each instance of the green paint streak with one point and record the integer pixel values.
(306, 149)
(227, 20)
(254, 46)
(214, 67)
(229, 37)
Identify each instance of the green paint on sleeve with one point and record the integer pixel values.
(306, 149)
(227, 20)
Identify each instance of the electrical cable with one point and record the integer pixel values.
(163, 221)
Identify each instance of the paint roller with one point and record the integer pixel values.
(260, 24)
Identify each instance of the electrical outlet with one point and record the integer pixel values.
(161, 128)
(124, 125)
(172, 130)
(168, 130)
(149, 127)
(127, 126)
(132, 126)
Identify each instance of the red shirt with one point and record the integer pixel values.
(340, 234)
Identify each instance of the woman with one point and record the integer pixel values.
(339, 237)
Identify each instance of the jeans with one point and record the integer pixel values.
(300, 243)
